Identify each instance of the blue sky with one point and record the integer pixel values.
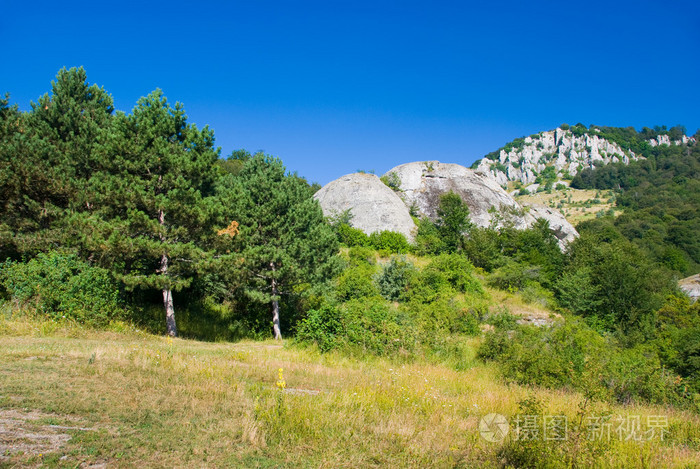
(333, 87)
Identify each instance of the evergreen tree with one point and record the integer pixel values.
(46, 158)
(283, 240)
(154, 204)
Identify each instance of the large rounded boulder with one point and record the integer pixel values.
(420, 185)
(374, 206)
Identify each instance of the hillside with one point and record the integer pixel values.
(555, 156)
(417, 306)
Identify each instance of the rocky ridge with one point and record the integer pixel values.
(525, 159)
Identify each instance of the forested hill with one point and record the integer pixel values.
(661, 200)
(556, 156)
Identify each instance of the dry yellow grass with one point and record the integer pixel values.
(150, 402)
(573, 203)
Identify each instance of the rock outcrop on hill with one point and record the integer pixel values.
(560, 226)
(417, 187)
(420, 185)
(559, 148)
(691, 286)
(567, 152)
(374, 206)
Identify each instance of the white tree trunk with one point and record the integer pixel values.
(170, 326)
(275, 307)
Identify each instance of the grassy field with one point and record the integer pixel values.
(76, 398)
(575, 204)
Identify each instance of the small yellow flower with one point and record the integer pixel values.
(281, 384)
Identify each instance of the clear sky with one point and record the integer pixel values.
(336, 86)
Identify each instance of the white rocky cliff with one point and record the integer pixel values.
(559, 148)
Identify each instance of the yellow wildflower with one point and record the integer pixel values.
(281, 384)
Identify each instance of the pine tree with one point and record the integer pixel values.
(46, 159)
(283, 239)
(154, 209)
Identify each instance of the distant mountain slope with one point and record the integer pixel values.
(569, 149)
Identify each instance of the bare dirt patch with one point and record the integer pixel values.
(25, 432)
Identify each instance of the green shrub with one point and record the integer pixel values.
(573, 356)
(372, 325)
(428, 239)
(514, 276)
(636, 373)
(392, 180)
(429, 285)
(60, 285)
(553, 356)
(356, 282)
(323, 327)
(394, 279)
(483, 248)
(443, 317)
(457, 271)
(393, 242)
(350, 236)
(503, 320)
(361, 256)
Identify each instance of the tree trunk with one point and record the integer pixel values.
(170, 326)
(275, 306)
(169, 312)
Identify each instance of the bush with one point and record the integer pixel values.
(392, 180)
(443, 317)
(514, 276)
(356, 282)
(428, 239)
(60, 285)
(457, 271)
(429, 285)
(350, 236)
(361, 256)
(322, 326)
(572, 355)
(372, 325)
(390, 241)
(394, 279)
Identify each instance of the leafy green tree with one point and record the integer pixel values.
(153, 199)
(452, 220)
(285, 243)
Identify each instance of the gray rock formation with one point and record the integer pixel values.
(374, 207)
(422, 183)
(563, 150)
(560, 226)
(666, 140)
(691, 286)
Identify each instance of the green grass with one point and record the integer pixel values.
(131, 399)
